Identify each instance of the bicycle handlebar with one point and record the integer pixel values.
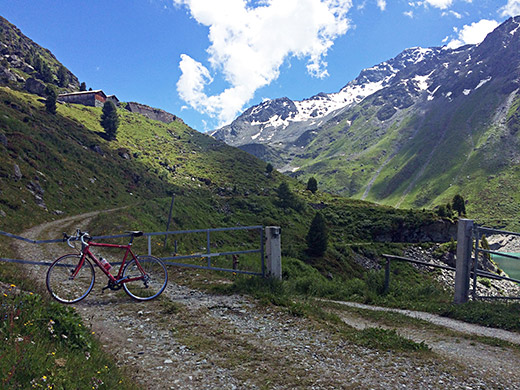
(82, 236)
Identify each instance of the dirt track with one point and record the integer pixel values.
(188, 339)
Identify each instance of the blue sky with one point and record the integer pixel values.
(208, 60)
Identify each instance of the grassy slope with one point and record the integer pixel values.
(215, 185)
(456, 148)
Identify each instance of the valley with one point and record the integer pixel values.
(393, 137)
(409, 132)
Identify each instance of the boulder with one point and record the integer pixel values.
(35, 86)
(17, 172)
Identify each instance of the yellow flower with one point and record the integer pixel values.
(12, 285)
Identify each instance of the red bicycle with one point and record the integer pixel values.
(70, 278)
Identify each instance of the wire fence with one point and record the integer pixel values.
(207, 255)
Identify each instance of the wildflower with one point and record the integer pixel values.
(44, 378)
(5, 295)
(12, 285)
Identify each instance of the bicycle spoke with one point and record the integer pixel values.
(152, 282)
(61, 283)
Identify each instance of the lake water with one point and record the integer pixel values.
(510, 266)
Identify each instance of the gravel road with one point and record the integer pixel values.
(189, 339)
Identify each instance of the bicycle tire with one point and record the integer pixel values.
(155, 282)
(59, 282)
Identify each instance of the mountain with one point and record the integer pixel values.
(25, 65)
(59, 165)
(412, 131)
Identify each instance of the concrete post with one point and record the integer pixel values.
(462, 268)
(273, 258)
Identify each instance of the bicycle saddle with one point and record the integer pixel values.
(136, 233)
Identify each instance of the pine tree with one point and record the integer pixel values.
(110, 120)
(50, 101)
(317, 236)
(63, 77)
(269, 168)
(46, 73)
(83, 87)
(287, 199)
(312, 185)
(459, 205)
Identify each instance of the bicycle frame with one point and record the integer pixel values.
(85, 251)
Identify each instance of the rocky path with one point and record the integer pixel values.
(188, 339)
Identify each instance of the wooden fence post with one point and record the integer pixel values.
(462, 272)
(273, 251)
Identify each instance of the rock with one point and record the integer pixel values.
(35, 86)
(35, 188)
(6, 74)
(3, 139)
(17, 172)
(27, 68)
(98, 150)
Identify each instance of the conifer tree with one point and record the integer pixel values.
(110, 120)
(317, 236)
(63, 77)
(50, 101)
(269, 168)
(312, 185)
(459, 205)
(287, 199)
(83, 87)
(46, 73)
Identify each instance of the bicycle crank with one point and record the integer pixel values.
(114, 286)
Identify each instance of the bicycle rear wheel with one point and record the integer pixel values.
(154, 281)
(62, 286)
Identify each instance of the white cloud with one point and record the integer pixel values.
(249, 45)
(473, 33)
(442, 4)
(512, 8)
(409, 14)
(452, 13)
(381, 4)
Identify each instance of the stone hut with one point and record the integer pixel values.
(113, 99)
(95, 98)
(152, 113)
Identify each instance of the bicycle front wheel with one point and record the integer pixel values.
(63, 286)
(153, 281)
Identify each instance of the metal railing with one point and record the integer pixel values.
(389, 258)
(167, 260)
(478, 231)
(474, 275)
